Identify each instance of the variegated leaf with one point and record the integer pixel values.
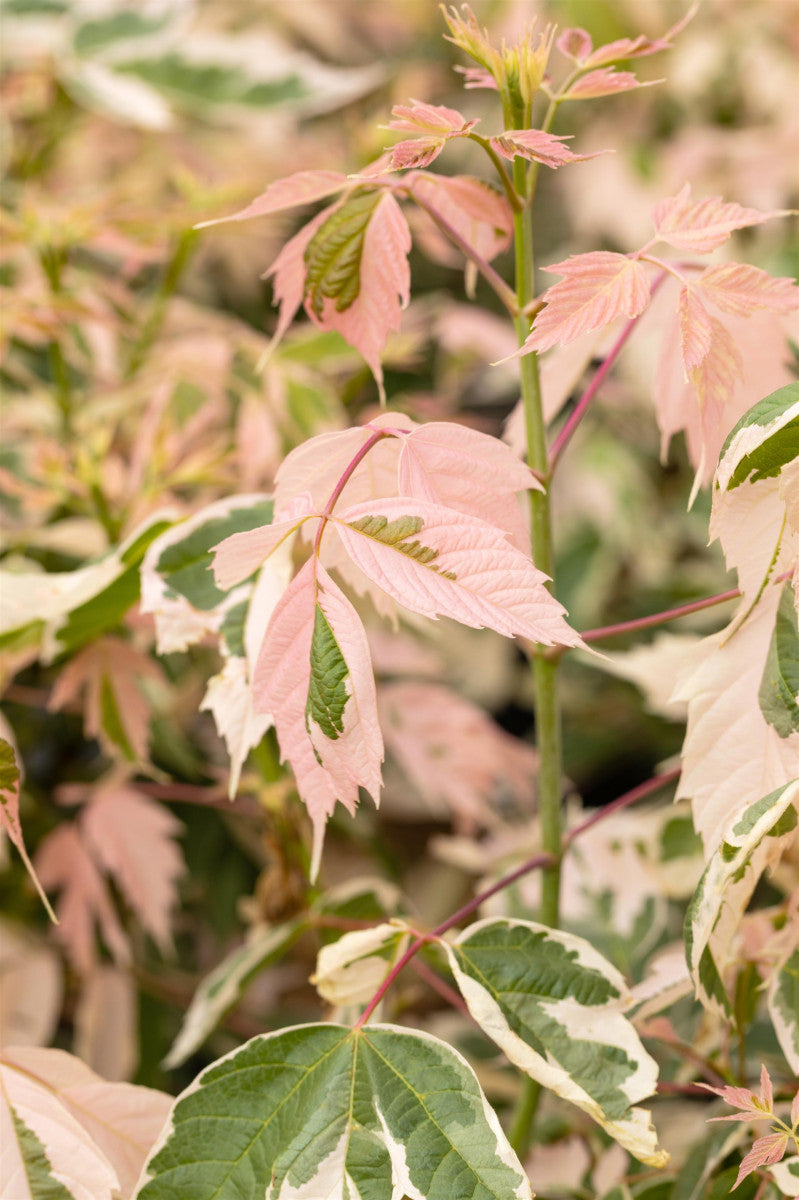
(751, 843)
(556, 1007)
(783, 1003)
(377, 1113)
(350, 970)
(436, 561)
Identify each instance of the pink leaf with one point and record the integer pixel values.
(605, 82)
(534, 144)
(453, 753)
(314, 675)
(132, 837)
(418, 117)
(64, 863)
(477, 77)
(575, 44)
(288, 270)
(384, 287)
(237, 556)
(475, 210)
(301, 188)
(416, 153)
(703, 225)
(9, 812)
(463, 469)
(598, 288)
(108, 672)
(765, 1151)
(122, 1119)
(638, 47)
(739, 289)
(696, 329)
(436, 561)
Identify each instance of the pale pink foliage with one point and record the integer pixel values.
(696, 330)
(575, 44)
(476, 211)
(64, 863)
(605, 82)
(301, 188)
(771, 1147)
(132, 837)
(494, 586)
(597, 288)
(123, 1120)
(281, 684)
(466, 470)
(237, 556)
(535, 145)
(109, 663)
(765, 1151)
(738, 289)
(384, 287)
(453, 753)
(702, 225)
(288, 271)
(437, 123)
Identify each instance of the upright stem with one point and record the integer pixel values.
(547, 711)
(151, 327)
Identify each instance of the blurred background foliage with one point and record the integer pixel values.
(134, 378)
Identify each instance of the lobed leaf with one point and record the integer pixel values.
(597, 288)
(314, 675)
(350, 970)
(303, 187)
(10, 779)
(702, 225)
(376, 1113)
(439, 562)
(739, 289)
(556, 1008)
(118, 1124)
(435, 122)
(536, 146)
(751, 842)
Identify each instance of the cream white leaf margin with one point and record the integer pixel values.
(753, 842)
(325, 1112)
(786, 1175)
(225, 985)
(556, 1008)
(350, 970)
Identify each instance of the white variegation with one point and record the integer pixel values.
(748, 846)
(786, 1175)
(220, 990)
(601, 1024)
(781, 992)
(749, 438)
(667, 981)
(324, 1112)
(350, 970)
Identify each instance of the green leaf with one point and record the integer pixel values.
(323, 1110)
(226, 984)
(752, 842)
(779, 687)
(763, 441)
(200, 84)
(41, 1182)
(783, 1006)
(96, 35)
(185, 564)
(327, 687)
(396, 534)
(333, 255)
(556, 1008)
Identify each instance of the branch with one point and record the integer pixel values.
(565, 435)
(492, 278)
(659, 618)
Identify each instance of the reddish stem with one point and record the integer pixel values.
(637, 793)
(531, 864)
(565, 435)
(377, 435)
(433, 980)
(659, 618)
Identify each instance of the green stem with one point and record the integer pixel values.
(52, 259)
(155, 319)
(547, 711)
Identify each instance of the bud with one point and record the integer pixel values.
(517, 69)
